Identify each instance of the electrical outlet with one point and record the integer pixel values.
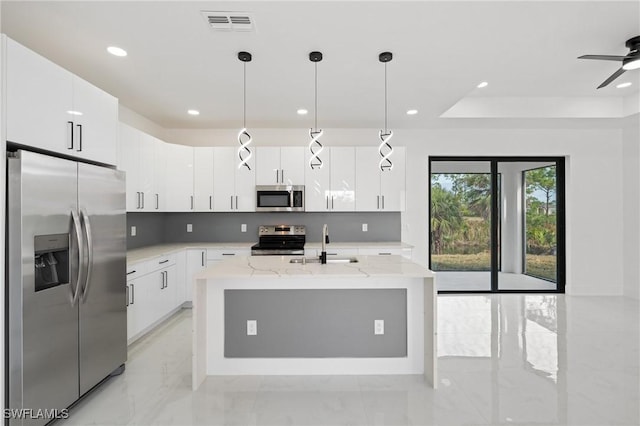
(243, 227)
(189, 227)
(378, 326)
(252, 327)
(133, 231)
(365, 227)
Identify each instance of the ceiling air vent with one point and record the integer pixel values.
(229, 21)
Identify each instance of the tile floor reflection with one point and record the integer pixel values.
(507, 359)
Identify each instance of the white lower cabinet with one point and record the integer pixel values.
(196, 262)
(152, 288)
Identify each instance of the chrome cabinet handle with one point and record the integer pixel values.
(282, 174)
(76, 223)
(70, 143)
(137, 200)
(277, 176)
(202, 258)
(192, 202)
(142, 193)
(126, 293)
(378, 200)
(210, 202)
(236, 202)
(332, 197)
(162, 282)
(89, 236)
(384, 254)
(231, 198)
(228, 254)
(327, 198)
(133, 294)
(131, 272)
(164, 261)
(383, 202)
(79, 127)
(157, 201)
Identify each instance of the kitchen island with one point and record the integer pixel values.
(264, 315)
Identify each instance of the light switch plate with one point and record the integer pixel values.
(243, 227)
(365, 227)
(133, 231)
(189, 227)
(252, 327)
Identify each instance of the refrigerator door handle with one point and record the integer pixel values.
(76, 224)
(89, 235)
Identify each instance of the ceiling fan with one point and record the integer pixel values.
(629, 62)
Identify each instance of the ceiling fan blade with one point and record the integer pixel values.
(603, 57)
(613, 77)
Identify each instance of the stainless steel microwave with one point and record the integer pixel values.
(279, 198)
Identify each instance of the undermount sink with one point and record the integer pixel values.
(329, 260)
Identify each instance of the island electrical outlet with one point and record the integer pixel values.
(378, 326)
(252, 327)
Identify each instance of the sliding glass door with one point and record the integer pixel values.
(496, 224)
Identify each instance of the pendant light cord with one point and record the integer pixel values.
(385, 97)
(244, 91)
(316, 95)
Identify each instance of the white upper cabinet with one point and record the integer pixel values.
(179, 178)
(332, 187)
(268, 166)
(158, 200)
(280, 166)
(343, 179)
(146, 181)
(377, 190)
(203, 179)
(96, 129)
(234, 187)
(317, 183)
(128, 159)
(39, 99)
(50, 108)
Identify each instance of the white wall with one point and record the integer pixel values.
(631, 207)
(594, 173)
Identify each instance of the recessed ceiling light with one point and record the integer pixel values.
(116, 51)
(74, 112)
(193, 112)
(483, 84)
(623, 85)
(302, 111)
(412, 112)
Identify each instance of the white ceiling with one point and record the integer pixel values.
(442, 50)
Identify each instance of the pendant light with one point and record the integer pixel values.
(244, 138)
(385, 149)
(314, 133)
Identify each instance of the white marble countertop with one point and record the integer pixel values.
(149, 252)
(256, 267)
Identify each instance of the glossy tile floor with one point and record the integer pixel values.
(481, 281)
(507, 359)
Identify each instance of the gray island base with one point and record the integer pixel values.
(263, 315)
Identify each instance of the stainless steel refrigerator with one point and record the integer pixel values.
(66, 263)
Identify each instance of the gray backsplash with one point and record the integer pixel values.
(155, 228)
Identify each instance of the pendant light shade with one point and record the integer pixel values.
(385, 149)
(315, 162)
(244, 138)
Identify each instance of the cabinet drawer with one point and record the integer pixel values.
(220, 254)
(135, 270)
(161, 262)
(382, 251)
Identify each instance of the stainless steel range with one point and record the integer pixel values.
(280, 240)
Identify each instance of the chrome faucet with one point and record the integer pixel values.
(325, 241)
